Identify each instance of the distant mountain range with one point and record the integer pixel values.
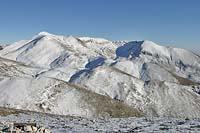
(95, 77)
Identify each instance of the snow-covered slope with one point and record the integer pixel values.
(97, 77)
(59, 97)
(46, 49)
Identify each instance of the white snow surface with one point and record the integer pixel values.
(57, 74)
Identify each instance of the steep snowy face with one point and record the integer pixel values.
(96, 77)
(175, 60)
(129, 50)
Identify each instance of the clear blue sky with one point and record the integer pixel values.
(170, 22)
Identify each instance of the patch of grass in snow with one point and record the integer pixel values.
(184, 81)
(122, 72)
(6, 111)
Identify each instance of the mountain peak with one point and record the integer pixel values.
(44, 33)
(146, 44)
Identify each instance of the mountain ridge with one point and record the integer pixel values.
(141, 75)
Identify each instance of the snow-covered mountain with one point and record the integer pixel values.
(97, 77)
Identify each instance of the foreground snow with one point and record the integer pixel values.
(62, 124)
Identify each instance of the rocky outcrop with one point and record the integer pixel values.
(24, 127)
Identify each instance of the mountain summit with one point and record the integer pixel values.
(95, 77)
